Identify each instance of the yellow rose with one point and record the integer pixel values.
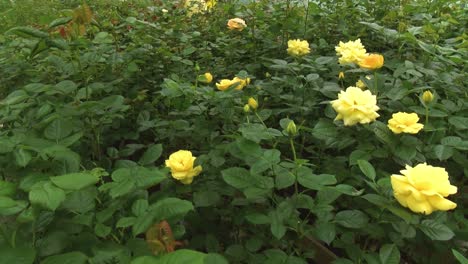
(241, 83)
(422, 189)
(355, 106)
(372, 62)
(297, 47)
(224, 84)
(236, 24)
(427, 97)
(181, 165)
(206, 78)
(360, 84)
(210, 4)
(404, 123)
(198, 6)
(350, 52)
(253, 103)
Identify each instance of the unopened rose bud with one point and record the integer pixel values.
(427, 97)
(341, 75)
(291, 128)
(253, 103)
(246, 108)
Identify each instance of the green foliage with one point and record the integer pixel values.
(93, 102)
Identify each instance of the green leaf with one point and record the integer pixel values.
(255, 132)
(358, 155)
(352, 219)
(443, 152)
(258, 219)
(181, 256)
(6, 145)
(46, 195)
(164, 209)
(126, 222)
(15, 97)
(325, 231)
(75, 181)
(306, 178)
(459, 122)
(17, 255)
(266, 161)
(460, 257)
(249, 147)
(28, 32)
(435, 230)
(389, 254)
(7, 188)
(283, 178)
(128, 179)
(139, 207)
(324, 129)
(206, 198)
(22, 157)
(59, 22)
(277, 227)
(151, 155)
(52, 243)
(170, 207)
(67, 258)
(102, 230)
(58, 129)
(213, 258)
(239, 178)
(367, 169)
(6, 202)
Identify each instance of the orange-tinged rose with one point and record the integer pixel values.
(236, 24)
(372, 62)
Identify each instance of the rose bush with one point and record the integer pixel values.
(96, 125)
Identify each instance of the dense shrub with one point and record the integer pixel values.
(151, 132)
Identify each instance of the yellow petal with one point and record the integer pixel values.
(187, 180)
(421, 206)
(440, 203)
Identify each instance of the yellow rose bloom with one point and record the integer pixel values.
(372, 62)
(181, 165)
(210, 4)
(427, 97)
(350, 52)
(253, 103)
(224, 84)
(355, 106)
(208, 77)
(404, 123)
(360, 84)
(198, 6)
(297, 47)
(422, 189)
(241, 83)
(236, 24)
